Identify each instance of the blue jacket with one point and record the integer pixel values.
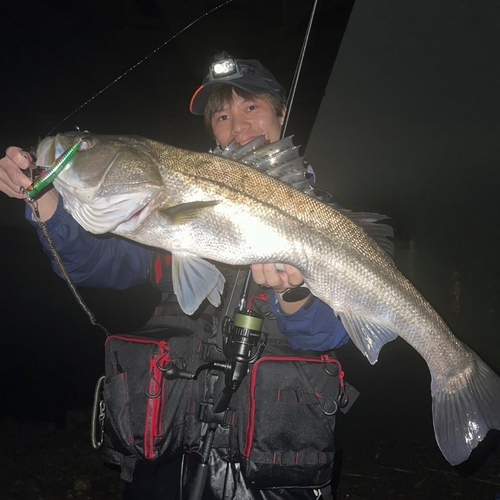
(111, 262)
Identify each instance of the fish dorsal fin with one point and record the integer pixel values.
(369, 223)
(281, 160)
(195, 279)
(368, 337)
(186, 212)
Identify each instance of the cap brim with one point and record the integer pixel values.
(200, 97)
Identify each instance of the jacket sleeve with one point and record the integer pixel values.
(94, 261)
(315, 326)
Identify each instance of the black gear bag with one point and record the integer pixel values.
(278, 427)
(286, 417)
(138, 413)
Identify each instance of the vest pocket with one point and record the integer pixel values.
(145, 412)
(288, 438)
(118, 408)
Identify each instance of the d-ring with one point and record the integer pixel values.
(335, 405)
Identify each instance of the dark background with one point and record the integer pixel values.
(408, 127)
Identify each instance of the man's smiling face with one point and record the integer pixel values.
(245, 119)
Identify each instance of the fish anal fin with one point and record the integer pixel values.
(368, 337)
(186, 212)
(194, 280)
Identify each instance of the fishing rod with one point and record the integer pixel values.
(289, 105)
(243, 339)
(298, 69)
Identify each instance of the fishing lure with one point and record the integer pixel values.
(51, 172)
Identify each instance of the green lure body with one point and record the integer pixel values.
(50, 173)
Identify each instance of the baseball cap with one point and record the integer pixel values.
(247, 74)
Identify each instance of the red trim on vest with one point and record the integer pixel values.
(158, 270)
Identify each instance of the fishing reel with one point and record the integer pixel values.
(243, 344)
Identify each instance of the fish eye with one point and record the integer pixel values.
(86, 144)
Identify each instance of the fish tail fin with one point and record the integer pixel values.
(465, 409)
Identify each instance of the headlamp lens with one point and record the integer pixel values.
(223, 68)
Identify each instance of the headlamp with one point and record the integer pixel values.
(224, 68)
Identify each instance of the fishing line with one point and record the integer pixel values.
(140, 62)
(42, 224)
(298, 69)
(62, 267)
(69, 281)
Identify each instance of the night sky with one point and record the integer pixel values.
(409, 127)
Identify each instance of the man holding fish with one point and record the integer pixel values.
(240, 101)
(239, 109)
(208, 207)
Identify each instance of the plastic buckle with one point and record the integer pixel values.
(205, 414)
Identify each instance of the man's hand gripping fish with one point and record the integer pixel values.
(202, 206)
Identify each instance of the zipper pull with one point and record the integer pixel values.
(153, 389)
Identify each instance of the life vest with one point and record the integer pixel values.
(277, 430)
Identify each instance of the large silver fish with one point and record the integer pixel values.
(201, 206)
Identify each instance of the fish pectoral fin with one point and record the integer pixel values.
(186, 212)
(369, 337)
(194, 280)
(214, 297)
